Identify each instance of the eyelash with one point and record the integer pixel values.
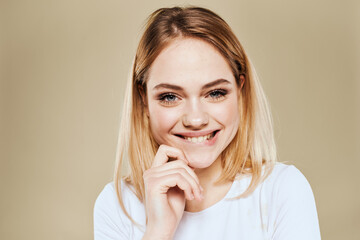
(162, 98)
(222, 92)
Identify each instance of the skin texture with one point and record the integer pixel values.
(180, 167)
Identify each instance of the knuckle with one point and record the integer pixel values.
(182, 163)
(182, 171)
(162, 147)
(178, 163)
(178, 176)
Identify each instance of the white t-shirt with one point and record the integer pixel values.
(281, 208)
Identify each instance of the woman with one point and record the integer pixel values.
(197, 134)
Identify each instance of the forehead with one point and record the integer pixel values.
(189, 63)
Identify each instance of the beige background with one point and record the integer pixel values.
(63, 67)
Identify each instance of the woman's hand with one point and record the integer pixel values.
(167, 186)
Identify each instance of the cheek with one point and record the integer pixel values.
(162, 121)
(227, 113)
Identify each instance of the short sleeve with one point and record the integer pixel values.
(110, 222)
(296, 216)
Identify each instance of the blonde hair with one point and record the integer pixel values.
(253, 148)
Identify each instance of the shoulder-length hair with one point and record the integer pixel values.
(252, 151)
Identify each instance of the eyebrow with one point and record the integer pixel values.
(178, 88)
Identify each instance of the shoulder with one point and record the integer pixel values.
(108, 197)
(293, 213)
(109, 217)
(283, 172)
(282, 178)
(107, 194)
(107, 206)
(289, 180)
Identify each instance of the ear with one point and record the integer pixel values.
(242, 81)
(142, 92)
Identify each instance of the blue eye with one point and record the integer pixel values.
(168, 98)
(218, 93)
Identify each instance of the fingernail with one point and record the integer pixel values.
(201, 188)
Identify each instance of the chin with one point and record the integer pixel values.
(200, 160)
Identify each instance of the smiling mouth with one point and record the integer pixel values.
(199, 139)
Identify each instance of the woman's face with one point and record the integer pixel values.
(192, 100)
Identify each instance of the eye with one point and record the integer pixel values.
(168, 98)
(218, 94)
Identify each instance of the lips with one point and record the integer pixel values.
(198, 137)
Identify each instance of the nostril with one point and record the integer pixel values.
(196, 120)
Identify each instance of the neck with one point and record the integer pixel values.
(213, 192)
(208, 176)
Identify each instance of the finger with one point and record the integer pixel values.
(165, 152)
(195, 186)
(178, 164)
(177, 179)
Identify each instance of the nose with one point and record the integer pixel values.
(195, 116)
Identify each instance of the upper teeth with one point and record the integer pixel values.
(198, 139)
